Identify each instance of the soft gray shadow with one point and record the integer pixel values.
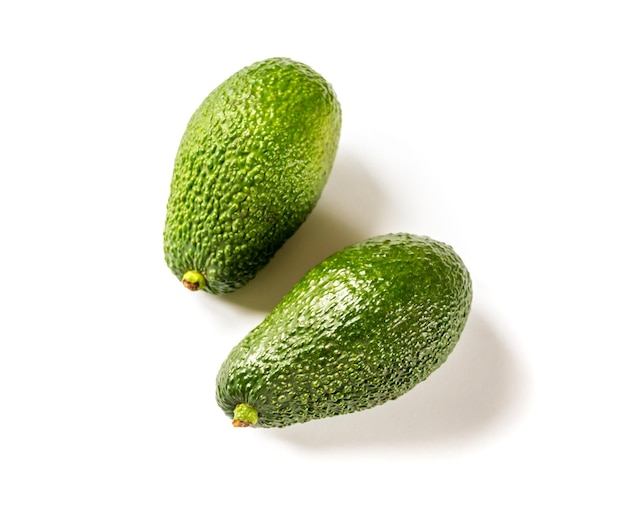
(475, 389)
(346, 213)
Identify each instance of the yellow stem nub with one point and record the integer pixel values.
(194, 280)
(244, 416)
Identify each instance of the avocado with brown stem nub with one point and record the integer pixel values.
(250, 167)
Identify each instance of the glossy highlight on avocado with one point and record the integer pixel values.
(361, 328)
(250, 167)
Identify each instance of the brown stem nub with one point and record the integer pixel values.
(241, 424)
(192, 286)
(193, 280)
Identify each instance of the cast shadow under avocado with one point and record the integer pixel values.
(470, 394)
(347, 212)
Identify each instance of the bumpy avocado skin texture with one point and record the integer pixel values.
(251, 166)
(361, 328)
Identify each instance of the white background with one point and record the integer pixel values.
(498, 127)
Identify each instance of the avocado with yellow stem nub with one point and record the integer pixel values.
(250, 167)
(361, 328)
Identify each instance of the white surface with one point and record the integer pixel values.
(498, 127)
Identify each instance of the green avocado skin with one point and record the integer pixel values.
(250, 167)
(361, 328)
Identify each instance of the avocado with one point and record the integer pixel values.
(361, 328)
(251, 166)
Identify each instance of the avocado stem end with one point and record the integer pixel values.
(244, 416)
(194, 280)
